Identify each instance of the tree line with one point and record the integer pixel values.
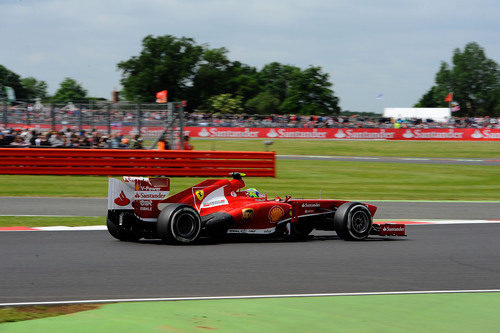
(29, 89)
(473, 80)
(210, 81)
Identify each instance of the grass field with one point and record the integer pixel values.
(332, 179)
(462, 149)
(387, 313)
(313, 179)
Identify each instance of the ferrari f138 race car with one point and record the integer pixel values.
(140, 207)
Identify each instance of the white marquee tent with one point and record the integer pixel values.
(436, 114)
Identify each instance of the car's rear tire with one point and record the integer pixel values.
(179, 224)
(353, 221)
(125, 231)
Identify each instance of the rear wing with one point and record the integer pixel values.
(140, 194)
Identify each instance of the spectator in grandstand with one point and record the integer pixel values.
(163, 144)
(124, 143)
(136, 142)
(56, 140)
(19, 142)
(187, 144)
(3, 140)
(114, 141)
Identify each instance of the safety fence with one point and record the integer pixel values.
(111, 162)
(104, 116)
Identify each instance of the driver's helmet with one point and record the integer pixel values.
(252, 193)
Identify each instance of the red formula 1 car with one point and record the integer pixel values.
(141, 208)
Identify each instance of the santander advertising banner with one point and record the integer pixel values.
(473, 134)
(457, 134)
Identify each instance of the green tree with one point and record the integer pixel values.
(263, 103)
(243, 80)
(277, 79)
(225, 103)
(216, 75)
(310, 93)
(165, 62)
(428, 100)
(198, 73)
(69, 91)
(210, 78)
(10, 79)
(474, 80)
(34, 88)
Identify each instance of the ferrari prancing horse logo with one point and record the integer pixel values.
(200, 194)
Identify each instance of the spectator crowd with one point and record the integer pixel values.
(155, 115)
(26, 137)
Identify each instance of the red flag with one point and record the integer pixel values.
(161, 96)
(449, 97)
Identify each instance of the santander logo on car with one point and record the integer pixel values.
(122, 200)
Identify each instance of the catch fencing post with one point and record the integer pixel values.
(52, 117)
(108, 118)
(80, 118)
(170, 111)
(4, 115)
(138, 115)
(91, 109)
(28, 120)
(181, 125)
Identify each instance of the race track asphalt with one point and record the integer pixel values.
(83, 265)
(386, 209)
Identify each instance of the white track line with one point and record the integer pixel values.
(206, 298)
(381, 221)
(81, 228)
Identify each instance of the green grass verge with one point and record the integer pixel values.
(390, 313)
(49, 221)
(310, 179)
(450, 149)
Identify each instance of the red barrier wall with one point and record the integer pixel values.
(34, 161)
(458, 134)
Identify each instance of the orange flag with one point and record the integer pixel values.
(449, 97)
(161, 96)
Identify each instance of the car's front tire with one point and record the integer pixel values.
(179, 224)
(353, 221)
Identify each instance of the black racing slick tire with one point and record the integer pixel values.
(179, 224)
(353, 221)
(125, 231)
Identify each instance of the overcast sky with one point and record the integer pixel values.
(368, 47)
